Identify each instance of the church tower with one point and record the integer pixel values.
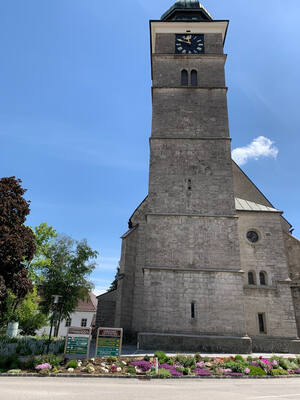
(204, 232)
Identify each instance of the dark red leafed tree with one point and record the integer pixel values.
(17, 243)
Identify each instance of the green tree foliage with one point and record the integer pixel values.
(44, 235)
(114, 284)
(66, 274)
(28, 315)
(17, 245)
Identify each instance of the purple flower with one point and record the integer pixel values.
(200, 364)
(274, 363)
(142, 365)
(235, 374)
(297, 371)
(43, 366)
(227, 370)
(172, 369)
(202, 372)
(246, 370)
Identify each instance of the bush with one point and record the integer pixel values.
(162, 357)
(186, 371)
(256, 371)
(238, 358)
(188, 362)
(146, 358)
(72, 364)
(198, 357)
(9, 362)
(163, 373)
(131, 370)
(283, 363)
(277, 371)
(235, 366)
(50, 358)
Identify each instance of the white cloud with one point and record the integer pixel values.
(259, 147)
(99, 290)
(107, 263)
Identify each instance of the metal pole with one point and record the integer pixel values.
(51, 326)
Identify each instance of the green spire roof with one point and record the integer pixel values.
(187, 10)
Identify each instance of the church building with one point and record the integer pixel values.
(208, 263)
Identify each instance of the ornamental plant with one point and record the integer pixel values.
(142, 365)
(43, 366)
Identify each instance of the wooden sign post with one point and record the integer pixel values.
(78, 341)
(109, 342)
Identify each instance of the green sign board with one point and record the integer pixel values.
(78, 341)
(109, 342)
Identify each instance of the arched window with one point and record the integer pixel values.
(251, 280)
(184, 78)
(262, 278)
(194, 79)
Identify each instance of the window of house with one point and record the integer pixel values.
(68, 322)
(261, 323)
(84, 322)
(194, 78)
(184, 77)
(192, 310)
(262, 278)
(251, 280)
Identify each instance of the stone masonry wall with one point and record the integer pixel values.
(190, 112)
(210, 70)
(183, 241)
(216, 297)
(191, 177)
(105, 316)
(268, 255)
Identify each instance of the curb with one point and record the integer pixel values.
(146, 378)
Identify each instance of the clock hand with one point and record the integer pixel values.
(184, 41)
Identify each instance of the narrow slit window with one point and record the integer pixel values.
(261, 323)
(194, 78)
(262, 278)
(184, 77)
(189, 184)
(251, 278)
(84, 322)
(192, 310)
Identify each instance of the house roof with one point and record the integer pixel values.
(246, 205)
(88, 305)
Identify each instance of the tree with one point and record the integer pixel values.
(114, 284)
(27, 313)
(43, 235)
(17, 244)
(71, 263)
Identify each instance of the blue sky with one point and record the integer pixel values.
(75, 108)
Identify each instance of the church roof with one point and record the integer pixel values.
(187, 10)
(246, 205)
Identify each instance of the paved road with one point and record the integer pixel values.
(18, 388)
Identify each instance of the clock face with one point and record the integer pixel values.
(188, 43)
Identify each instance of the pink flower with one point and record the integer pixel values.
(274, 363)
(246, 370)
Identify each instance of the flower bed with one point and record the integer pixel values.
(178, 366)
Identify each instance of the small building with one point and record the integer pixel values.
(83, 316)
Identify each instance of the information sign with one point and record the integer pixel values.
(109, 342)
(78, 341)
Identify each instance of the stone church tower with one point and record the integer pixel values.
(205, 263)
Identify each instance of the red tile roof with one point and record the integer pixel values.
(89, 304)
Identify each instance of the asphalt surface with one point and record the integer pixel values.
(47, 388)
